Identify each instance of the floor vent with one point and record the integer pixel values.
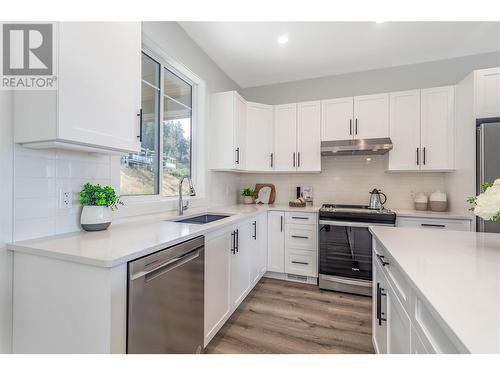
(296, 277)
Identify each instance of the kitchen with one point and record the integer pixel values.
(363, 167)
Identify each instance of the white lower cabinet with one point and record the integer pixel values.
(398, 325)
(217, 281)
(235, 260)
(276, 241)
(409, 325)
(431, 223)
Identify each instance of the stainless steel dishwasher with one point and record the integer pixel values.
(166, 300)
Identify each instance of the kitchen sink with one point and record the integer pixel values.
(202, 219)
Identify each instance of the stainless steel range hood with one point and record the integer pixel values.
(371, 146)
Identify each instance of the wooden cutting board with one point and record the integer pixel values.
(272, 197)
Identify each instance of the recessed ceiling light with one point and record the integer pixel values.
(283, 39)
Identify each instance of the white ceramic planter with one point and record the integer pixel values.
(95, 218)
(248, 200)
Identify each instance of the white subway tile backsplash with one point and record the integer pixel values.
(40, 178)
(33, 228)
(33, 208)
(348, 179)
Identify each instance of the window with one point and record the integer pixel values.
(166, 126)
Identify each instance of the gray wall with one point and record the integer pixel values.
(407, 77)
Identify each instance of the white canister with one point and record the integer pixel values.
(95, 218)
(421, 202)
(438, 201)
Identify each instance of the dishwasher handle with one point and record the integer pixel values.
(166, 266)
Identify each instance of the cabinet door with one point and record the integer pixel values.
(371, 116)
(240, 121)
(379, 309)
(437, 128)
(217, 297)
(262, 243)
(337, 119)
(309, 137)
(276, 242)
(259, 137)
(285, 137)
(99, 94)
(241, 264)
(404, 130)
(398, 326)
(487, 93)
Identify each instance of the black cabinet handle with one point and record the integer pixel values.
(294, 159)
(303, 237)
(418, 156)
(254, 230)
(281, 217)
(433, 225)
(298, 159)
(237, 241)
(140, 125)
(233, 246)
(380, 293)
(381, 258)
(300, 217)
(350, 126)
(424, 155)
(303, 263)
(237, 155)
(272, 157)
(356, 127)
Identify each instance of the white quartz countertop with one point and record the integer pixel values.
(136, 237)
(458, 273)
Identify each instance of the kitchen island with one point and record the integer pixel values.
(436, 291)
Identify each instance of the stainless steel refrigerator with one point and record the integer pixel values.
(488, 165)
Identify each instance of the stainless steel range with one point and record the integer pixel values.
(345, 246)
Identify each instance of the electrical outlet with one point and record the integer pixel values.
(65, 199)
(412, 194)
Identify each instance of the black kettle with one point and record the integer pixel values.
(376, 202)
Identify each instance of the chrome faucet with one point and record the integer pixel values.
(183, 206)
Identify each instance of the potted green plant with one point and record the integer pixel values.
(248, 195)
(98, 202)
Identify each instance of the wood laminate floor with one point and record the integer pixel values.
(285, 317)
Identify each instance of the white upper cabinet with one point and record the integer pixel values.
(437, 135)
(228, 119)
(285, 137)
(337, 119)
(487, 92)
(371, 116)
(404, 130)
(259, 137)
(309, 137)
(97, 103)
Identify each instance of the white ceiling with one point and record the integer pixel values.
(248, 52)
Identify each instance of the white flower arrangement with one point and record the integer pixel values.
(487, 204)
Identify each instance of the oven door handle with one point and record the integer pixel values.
(353, 224)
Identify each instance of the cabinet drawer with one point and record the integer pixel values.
(302, 237)
(393, 274)
(413, 222)
(301, 218)
(299, 262)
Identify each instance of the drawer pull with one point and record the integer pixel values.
(433, 225)
(382, 261)
(297, 262)
(300, 217)
(302, 237)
